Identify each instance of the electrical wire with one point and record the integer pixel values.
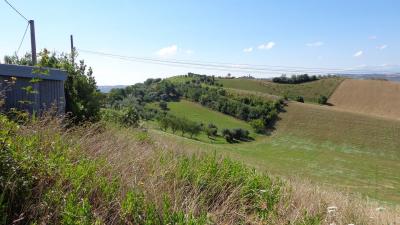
(16, 10)
(22, 39)
(224, 66)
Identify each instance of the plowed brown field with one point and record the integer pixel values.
(373, 97)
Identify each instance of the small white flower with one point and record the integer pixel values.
(332, 209)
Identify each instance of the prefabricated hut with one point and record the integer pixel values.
(47, 88)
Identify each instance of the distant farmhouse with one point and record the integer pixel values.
(32, 89)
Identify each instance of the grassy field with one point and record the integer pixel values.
(343, 150)
(200, 114)
(311, 91)
(374, 97)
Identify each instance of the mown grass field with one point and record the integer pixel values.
(311, 91)
(343, 150)
(200, 114)
(374, 97)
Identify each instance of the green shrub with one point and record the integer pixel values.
(322, 100)
(130, 117)
(300, 99)
(127, 117)
(163, 105)
(258, 125)
(211, 130)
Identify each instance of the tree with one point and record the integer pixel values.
(300, 99)
(193, 128)
(211, 130)
(258, 125)
(227, 135)
(163, 105)
(183, 125)
(174, 123)
(322, 100)
(163, 123)
(83, 99)
(130, 117)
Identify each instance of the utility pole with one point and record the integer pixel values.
(72, 50)
(33, 41)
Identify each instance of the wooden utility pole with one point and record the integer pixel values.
(72, 50)
(33, 41)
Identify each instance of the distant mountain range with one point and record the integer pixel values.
(107, 88)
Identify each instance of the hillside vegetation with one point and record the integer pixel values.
(100, 174)
(344, 150)
(373, 97)
(200, 114)
(205, 116)
(310, 91)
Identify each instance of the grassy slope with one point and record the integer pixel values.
(200, 114)
(346, 150)
(310, 91)
(114, 175)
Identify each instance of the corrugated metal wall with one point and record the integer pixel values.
(49, 93)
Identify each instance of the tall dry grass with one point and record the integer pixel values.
(135, 156)
(201, 185)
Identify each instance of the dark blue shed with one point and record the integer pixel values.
(47, 88)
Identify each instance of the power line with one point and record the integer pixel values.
(219, 65)
(23, 38)
(16, 10)
(223, 66)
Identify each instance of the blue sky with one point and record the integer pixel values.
(318, 33)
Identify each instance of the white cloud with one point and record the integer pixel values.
(189, 52)
(267, 46)
(315, 44)
(373, 37)
(381, 47)
(168, 51)
(250, 49)
(358, 54)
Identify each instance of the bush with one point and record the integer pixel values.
(211, 130)
(130, 117)
(127, 117)
(258, 125)
(322, 100)
(163, 105)
(240, 134)
(193, 128)
(226, 133)
(300, 99)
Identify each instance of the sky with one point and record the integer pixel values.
(341, 34)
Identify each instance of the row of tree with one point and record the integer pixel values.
(186, 126)
(246, 108)
(294, 79)
(183, 125)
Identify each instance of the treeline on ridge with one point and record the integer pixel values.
(203, 90)
(295, 79)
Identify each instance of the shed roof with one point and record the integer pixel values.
(32, 72)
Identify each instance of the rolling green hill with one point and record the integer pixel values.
(200, 114)
(311, 91)
(343, 150)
